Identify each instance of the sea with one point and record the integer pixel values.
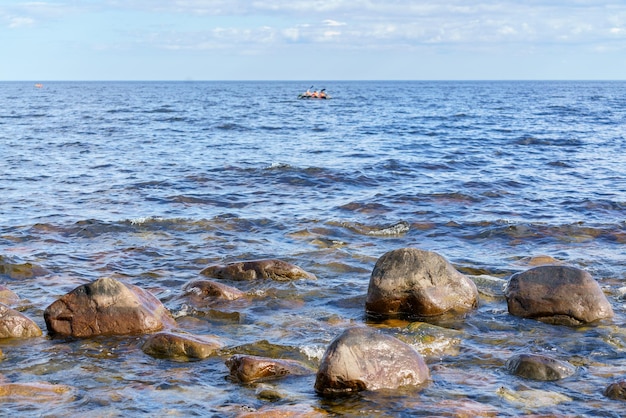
(150, 182)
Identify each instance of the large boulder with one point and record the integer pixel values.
(14, 324)
(246, 368)
(539, 367)
(416, 283)
(557, 295)
(106, 307)
(181, 346)
(257, 269)
(365, 359)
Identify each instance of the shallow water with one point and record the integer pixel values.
(151, 182)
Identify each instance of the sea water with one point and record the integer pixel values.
(150, 182)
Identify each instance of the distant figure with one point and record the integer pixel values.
(322, 94)
(315, 94)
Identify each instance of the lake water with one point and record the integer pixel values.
(150, 182)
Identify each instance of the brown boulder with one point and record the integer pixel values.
(557, 295)
(364, 359)
(7, 296)
(13, 324)
(180, 346)
(258, 269)
(246, 368)
(203, 290)
(539, 367)
(106, 307)
(417, 283)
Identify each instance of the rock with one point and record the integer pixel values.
(532, 398)
(364, 359)
(30, 393)
(417, 283)
(616, 391)
(180, 346)
(539, 367)
(247, 368)
(7, 296)
(431, 340)
(202, 290)
(557, 295)
(13, 324)
(106, 307)
(258, 269)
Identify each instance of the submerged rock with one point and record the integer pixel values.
(106, 307)
(417, 283)
(431, 340)
(539, 367)
(29, 393)
(258, 269)
(557, 295)
(616, 391)
(247, 368)
(14, 324)
(364, 359)
(181, 346)
(532, 398)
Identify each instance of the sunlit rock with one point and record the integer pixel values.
(364, 359)
(246, 368)
(199, 291)
(7, 296)
(539, 367)
(557, 295)
(106, 307)
(14, 324)
(417, 283)
(258, 269)
(181, 346)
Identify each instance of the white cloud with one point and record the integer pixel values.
(20, 22)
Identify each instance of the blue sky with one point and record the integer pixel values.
(312, 39)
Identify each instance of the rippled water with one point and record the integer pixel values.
(151, 182)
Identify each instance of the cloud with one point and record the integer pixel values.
(20, 22)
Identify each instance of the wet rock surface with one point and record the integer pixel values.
(14, 324)
(539, 367)
(258, 269)
(179, 346)
(199, 291)
(364, 359)
(417, 283)
(247, 368)
(558, 295)
(106, 307)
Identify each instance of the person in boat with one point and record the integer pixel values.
(322, 94)
(315, 94)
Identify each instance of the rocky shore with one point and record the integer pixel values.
(407, 284)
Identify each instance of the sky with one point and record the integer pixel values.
(312, 40)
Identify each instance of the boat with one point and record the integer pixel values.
(315, 95)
